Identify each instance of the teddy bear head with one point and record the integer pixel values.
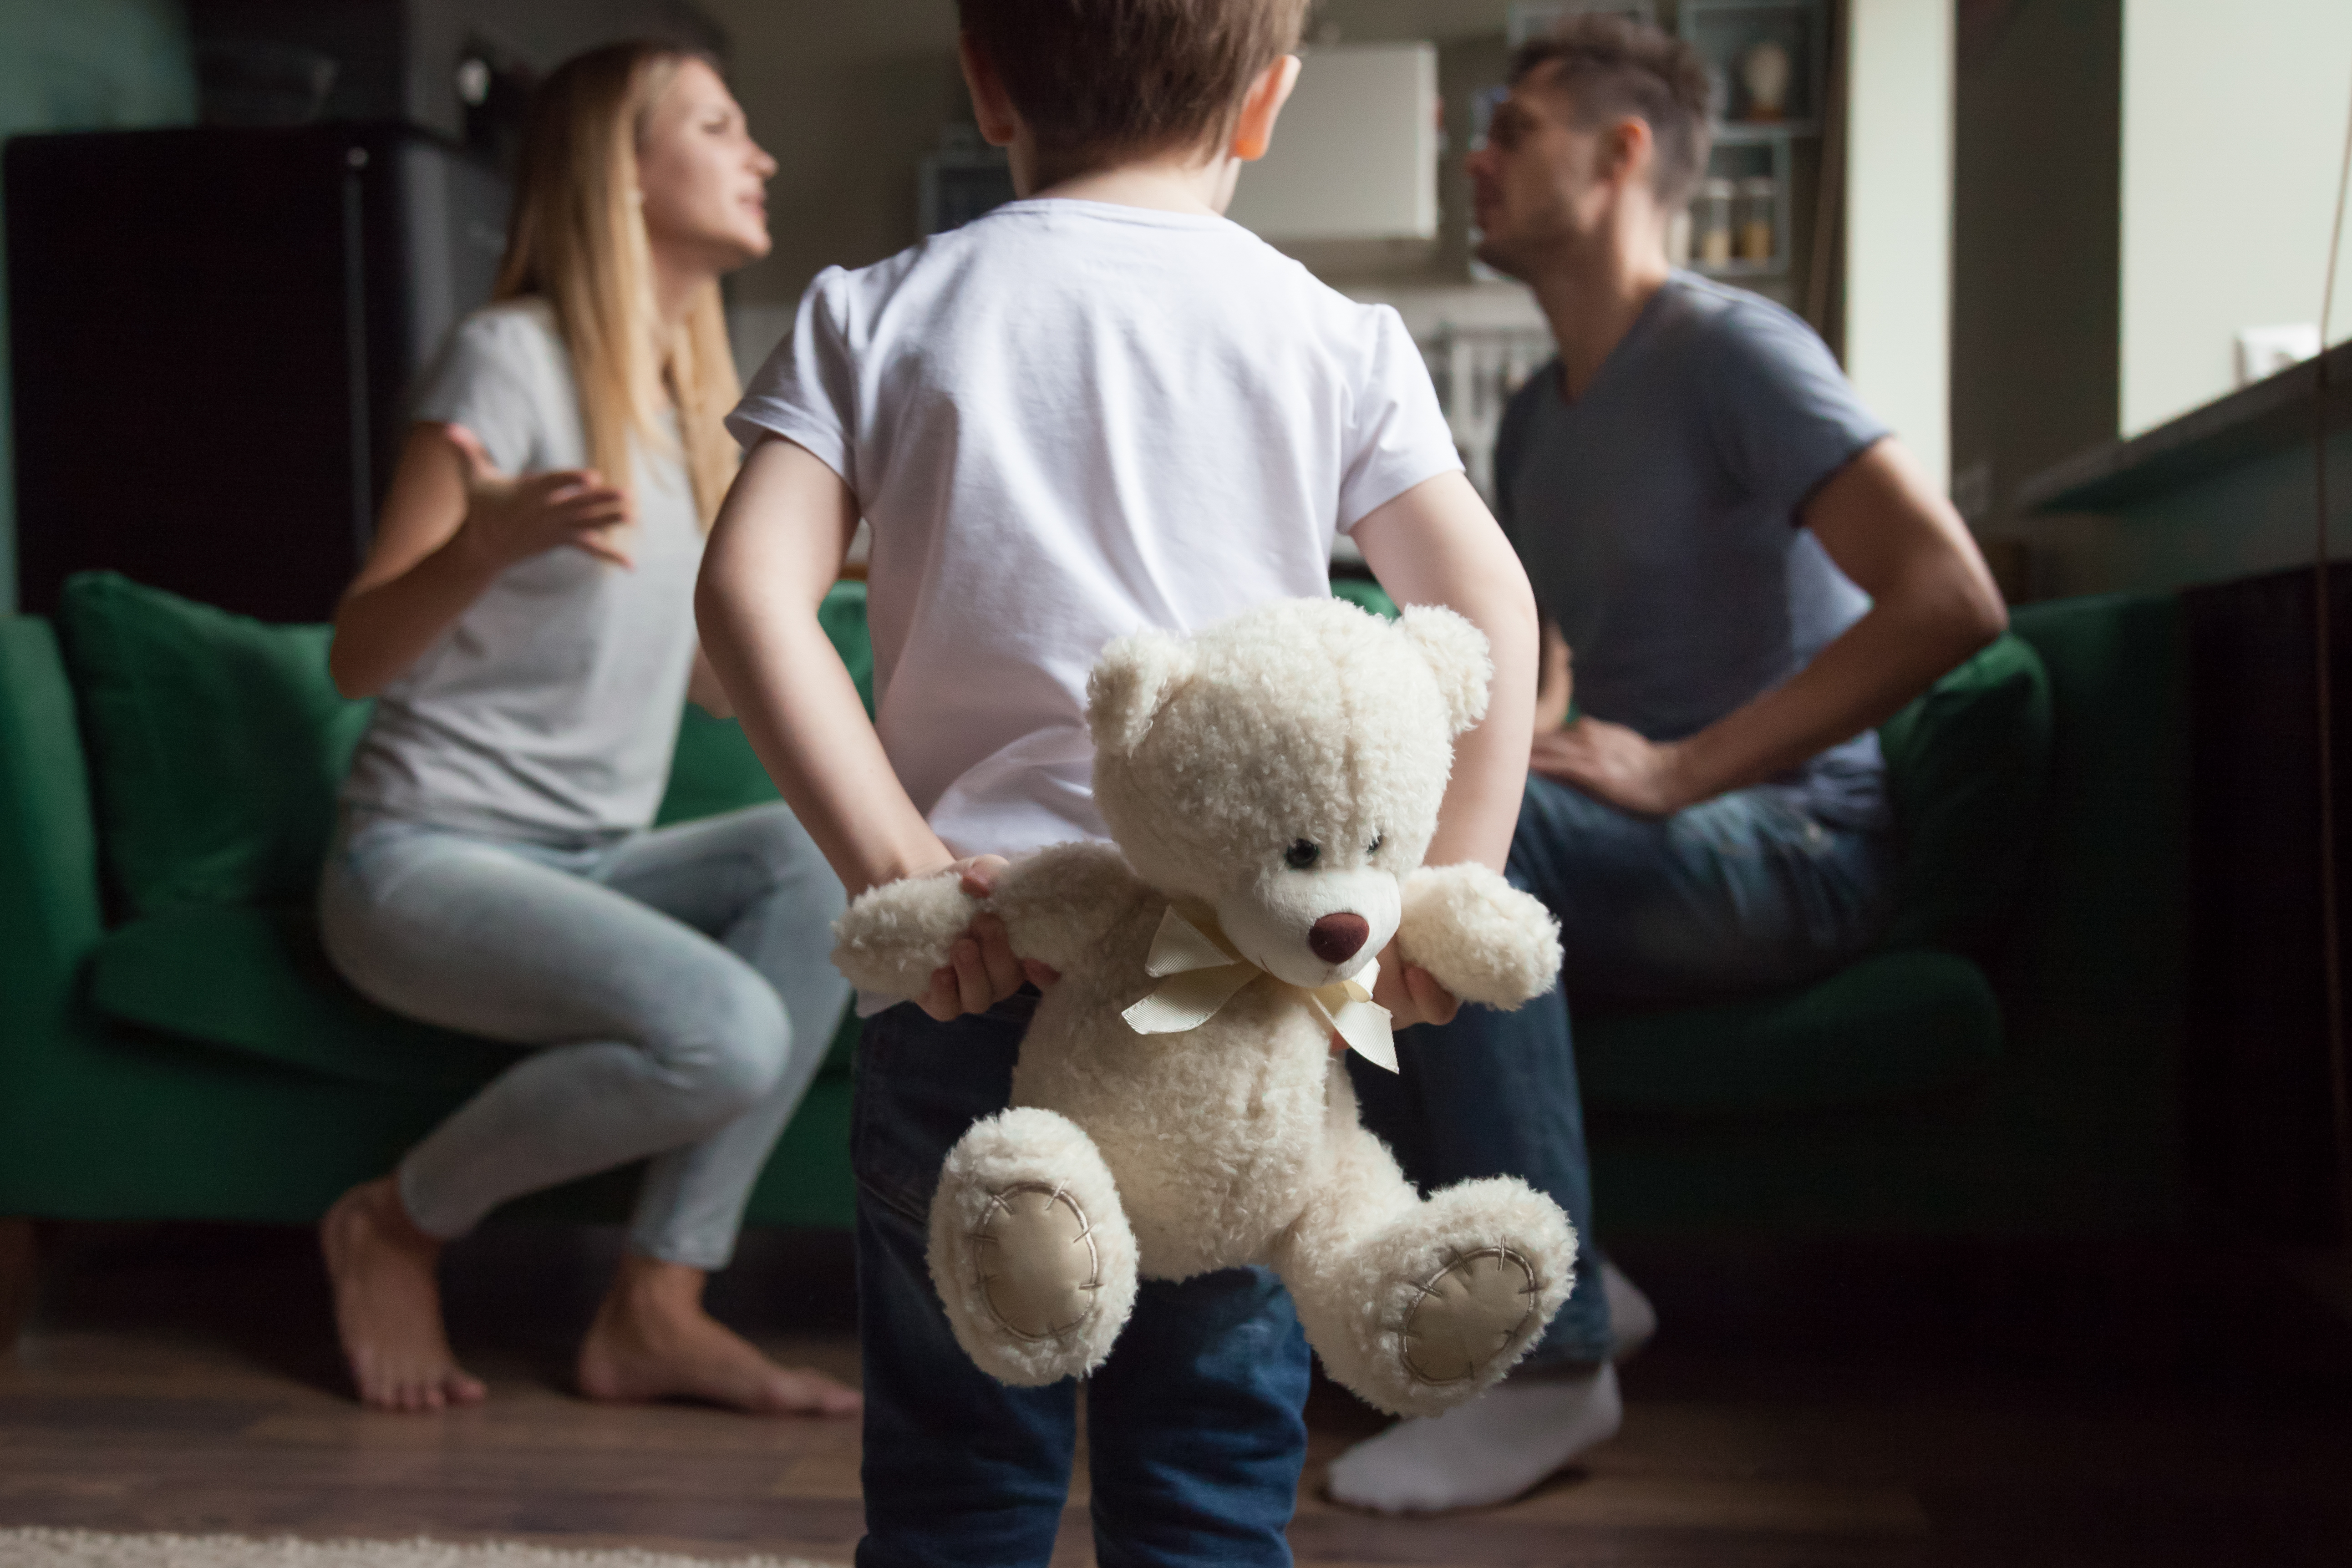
(1284, 767)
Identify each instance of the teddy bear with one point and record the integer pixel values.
(1271, 785)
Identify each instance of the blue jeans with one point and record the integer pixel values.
(678, 982)
(1194, 1424)
(1741, 892)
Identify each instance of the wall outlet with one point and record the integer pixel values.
(2263, 351)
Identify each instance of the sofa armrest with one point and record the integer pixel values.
(49, 912)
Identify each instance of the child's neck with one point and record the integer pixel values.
(1179, 182)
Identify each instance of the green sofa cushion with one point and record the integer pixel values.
(715, 769)
(215, 742)
(1893, 1024)
(1365, 595)
(48, 846)
(1966, 765)
(256, 980)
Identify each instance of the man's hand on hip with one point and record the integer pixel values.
(1615, 765)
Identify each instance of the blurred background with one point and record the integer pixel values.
(2057, 1271)
(2028, 228)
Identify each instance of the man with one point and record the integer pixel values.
(1748, 574)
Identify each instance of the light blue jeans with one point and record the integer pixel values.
(678, 980)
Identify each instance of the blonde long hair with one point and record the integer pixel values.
(576, 239)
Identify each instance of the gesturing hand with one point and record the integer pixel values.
(980, 969)
(511, 518)
(1614, 764)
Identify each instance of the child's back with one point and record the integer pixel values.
(1063, 421)
(1077, 416)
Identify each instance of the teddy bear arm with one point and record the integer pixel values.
(1480, 937)
(892, 938)
(1059, 904)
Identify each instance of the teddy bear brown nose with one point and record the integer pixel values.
(1336, 938)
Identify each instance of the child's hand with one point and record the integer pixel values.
(982, 969)
(1410, 993)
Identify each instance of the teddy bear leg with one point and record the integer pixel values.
(1030, 1248)
(1419, 1306)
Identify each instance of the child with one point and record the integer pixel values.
(1099, 408)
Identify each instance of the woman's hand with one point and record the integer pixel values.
(980, 971)
(511, 519)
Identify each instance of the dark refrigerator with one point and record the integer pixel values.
(214, 333)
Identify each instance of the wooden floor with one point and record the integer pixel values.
(1932, 1407)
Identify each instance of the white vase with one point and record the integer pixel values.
(1764, 71)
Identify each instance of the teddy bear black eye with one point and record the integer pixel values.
(1302, 854)
(1378, 839)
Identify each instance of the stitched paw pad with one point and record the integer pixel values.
(1467, 1315)
(1038, 1268)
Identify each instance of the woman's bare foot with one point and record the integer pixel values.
(652, 1340)
(388, 1303)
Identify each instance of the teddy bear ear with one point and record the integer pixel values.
(1127, 685)
(1457, 653)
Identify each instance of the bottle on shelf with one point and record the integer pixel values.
(1713, 221)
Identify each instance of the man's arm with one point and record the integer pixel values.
(775, 549)
(1933, 604)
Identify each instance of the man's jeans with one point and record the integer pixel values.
(1744, 892)
(1193, 1424)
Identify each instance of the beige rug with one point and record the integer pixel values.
(88, 1549)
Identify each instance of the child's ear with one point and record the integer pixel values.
(1254, 130)
(1128, 686)
(1457, 655)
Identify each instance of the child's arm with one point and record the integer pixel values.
(1055, 906)
(1437, 544)
(777, 547)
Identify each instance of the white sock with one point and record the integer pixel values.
(1487, 1451)
(1632, 1319)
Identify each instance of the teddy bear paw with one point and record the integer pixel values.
(1035, 1261)
(1030, 1248)
(1467, 1314)
(1480, 937)
(1459, 1285)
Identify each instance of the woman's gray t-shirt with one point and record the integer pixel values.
(1658, 515)
(550, 710)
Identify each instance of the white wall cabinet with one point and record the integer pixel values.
(1355, 154)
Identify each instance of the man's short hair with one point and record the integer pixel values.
(1611, 68)
(1107, 79)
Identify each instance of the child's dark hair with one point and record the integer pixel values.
(1098, 79)
(1611, 66)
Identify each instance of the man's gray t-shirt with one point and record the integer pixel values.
(550, 710)
(1657, 515)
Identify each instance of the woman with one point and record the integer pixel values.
(529, 640)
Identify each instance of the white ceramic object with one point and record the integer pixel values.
(1764, 71)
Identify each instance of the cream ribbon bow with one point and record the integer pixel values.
(1198, 974)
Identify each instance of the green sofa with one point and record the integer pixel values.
(173, 1045)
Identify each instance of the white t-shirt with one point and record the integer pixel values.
(548, 708)
(1065, 421)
